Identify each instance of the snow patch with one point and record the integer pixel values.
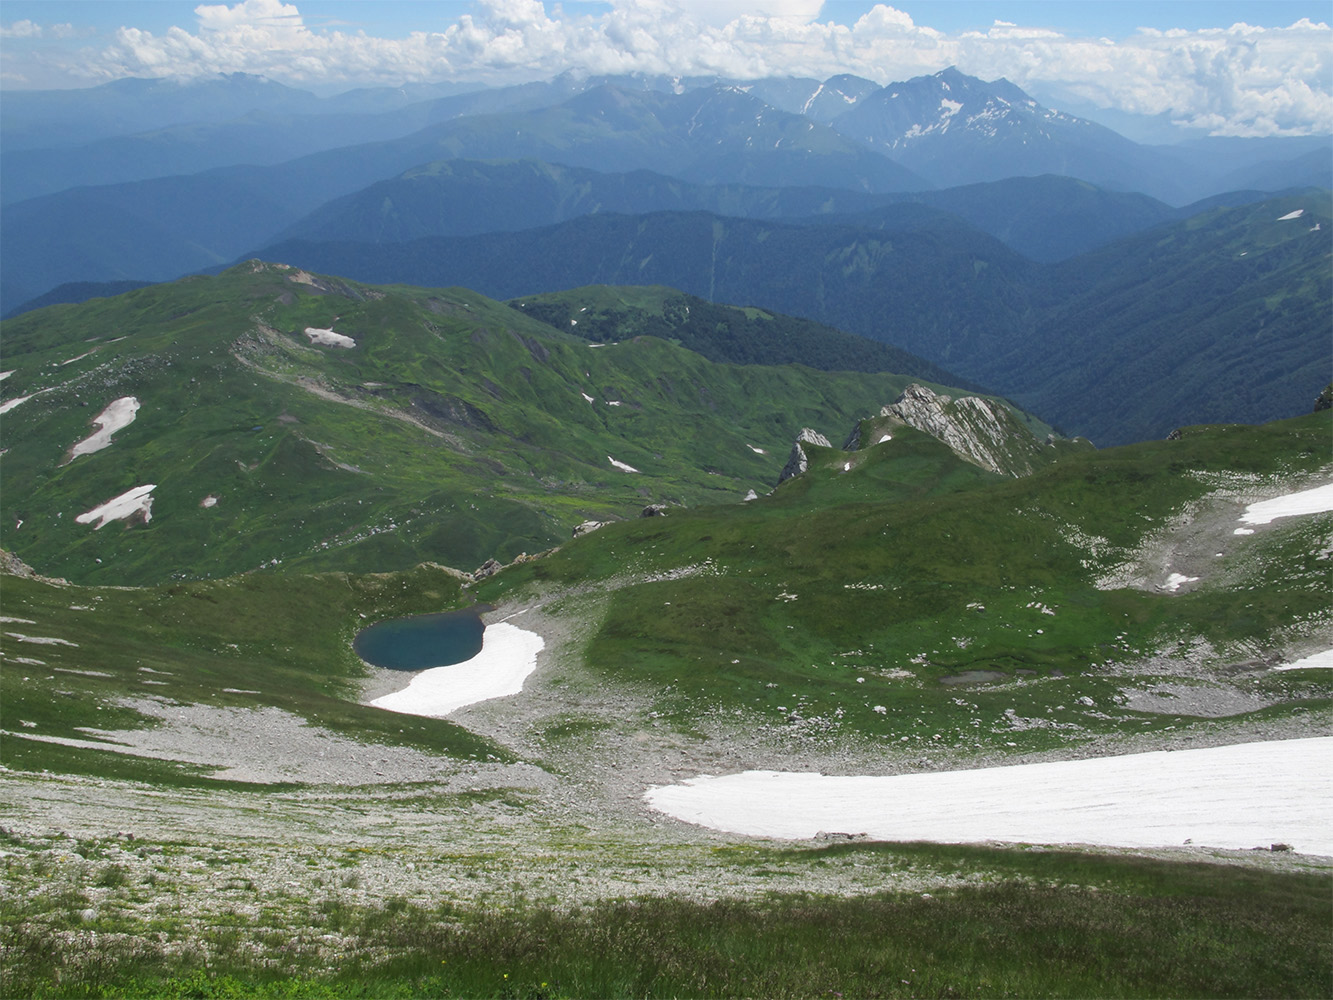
(209, 501)
(118, 415)
(586, 396)
(328, 337)
(621, 465)
(1291, 215)
(886, 437)
(508, 655)
(41, 640)
(9, 404)
(1315, 501)
(1317, 661)
(128, 504)
(1233, 797)
(757, 451)
(1174, 581)
(5, 375)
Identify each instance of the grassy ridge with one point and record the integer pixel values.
(826, 611)
(1053, 924)
(456, 430)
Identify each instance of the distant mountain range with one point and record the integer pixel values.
(948, 216)
(193, 193)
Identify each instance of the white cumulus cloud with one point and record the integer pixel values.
(1237, 79)
(21, 29)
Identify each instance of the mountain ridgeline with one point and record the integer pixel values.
(271, 417)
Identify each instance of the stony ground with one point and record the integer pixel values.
(359, 823)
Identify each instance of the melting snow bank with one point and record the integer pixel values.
(328, 337)
(1238, 797)
(117, 416)
(9, 404)
(508, 655)
(1316, 661)
(136, 501)
(1315, 501)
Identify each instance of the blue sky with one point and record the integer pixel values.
(397, 18)
(1238, 67)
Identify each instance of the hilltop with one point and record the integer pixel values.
(274, 417)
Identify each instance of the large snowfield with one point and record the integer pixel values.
(1242, 796)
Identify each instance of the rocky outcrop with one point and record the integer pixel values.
(981, 431)
(587, 527)
(798, 461)
(12, 565)
(492, 566)
(654, 510)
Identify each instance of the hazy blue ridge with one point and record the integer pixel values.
(961, 299)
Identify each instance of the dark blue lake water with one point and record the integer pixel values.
(421, 641)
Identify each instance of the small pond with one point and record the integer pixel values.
(422, 641)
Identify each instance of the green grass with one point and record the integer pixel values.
(456, 430)
(814, 601)
(250, 641)
(1045, 924)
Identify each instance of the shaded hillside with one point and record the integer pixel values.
(721, 333)
(1225, 317)
(469, 197)
(1044, 218)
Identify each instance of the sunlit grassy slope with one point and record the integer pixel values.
(838, 606)
(455, 430)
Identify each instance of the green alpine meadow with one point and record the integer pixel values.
(708, 543)
(371, 446)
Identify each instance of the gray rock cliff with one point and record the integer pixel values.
(798, 461)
